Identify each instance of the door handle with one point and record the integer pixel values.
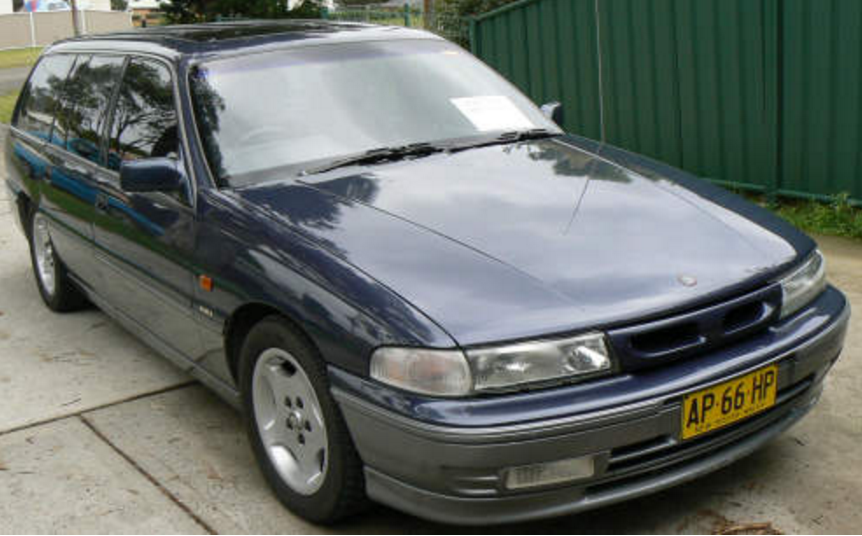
(101, 202)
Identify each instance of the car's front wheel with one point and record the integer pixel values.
(296, 430)
(56, 288)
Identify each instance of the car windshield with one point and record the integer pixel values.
(265, 115)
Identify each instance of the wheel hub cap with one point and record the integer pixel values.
(294, 420)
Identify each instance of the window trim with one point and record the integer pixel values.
(104, 141)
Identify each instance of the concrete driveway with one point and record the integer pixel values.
(100, 434)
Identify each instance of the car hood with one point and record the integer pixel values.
(520, 240)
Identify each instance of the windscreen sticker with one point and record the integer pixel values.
(493, 112)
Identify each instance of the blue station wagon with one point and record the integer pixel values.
(414, 285)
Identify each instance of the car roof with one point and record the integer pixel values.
(229, 37)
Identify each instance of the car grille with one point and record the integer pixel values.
(684, 335)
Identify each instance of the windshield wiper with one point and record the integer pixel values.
(381, 154)
(384, 154)
(505, 137)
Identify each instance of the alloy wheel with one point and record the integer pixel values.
(44, 253)
(290, 421)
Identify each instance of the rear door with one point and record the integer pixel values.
(145, 240)
(77, 159)
(68, 208)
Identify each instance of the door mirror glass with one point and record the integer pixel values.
(150, 175)
(554, 112)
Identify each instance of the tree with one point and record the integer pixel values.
(119, 5)
(190, 11)
(184, 11)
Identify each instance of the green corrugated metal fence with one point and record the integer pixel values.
(758, 94)
(821, 120)
(549, 49)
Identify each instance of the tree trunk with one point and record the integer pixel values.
(428, 10)
(75, 23)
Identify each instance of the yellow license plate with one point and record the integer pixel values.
(729, 402)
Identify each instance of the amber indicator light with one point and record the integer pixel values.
(205, 282)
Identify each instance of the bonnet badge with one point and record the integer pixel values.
(687, 280)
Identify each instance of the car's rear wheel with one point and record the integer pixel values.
(52, 279)
(296, 430)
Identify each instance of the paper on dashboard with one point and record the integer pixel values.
(492, 112)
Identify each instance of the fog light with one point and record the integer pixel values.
(543, 474)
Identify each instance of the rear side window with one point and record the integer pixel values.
(42, 95)
(144, 122)
(83, 110)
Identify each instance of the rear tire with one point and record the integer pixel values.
(295, 427)
(52, 278)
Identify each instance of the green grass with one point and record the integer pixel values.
(7, 105)
(837, 217)
(19, 57)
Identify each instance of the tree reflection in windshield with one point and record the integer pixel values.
(208, 106)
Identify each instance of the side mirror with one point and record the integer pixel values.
(150, 175)
(553, 111)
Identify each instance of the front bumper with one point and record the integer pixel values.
(418, 462)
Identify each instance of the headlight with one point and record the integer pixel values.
(507, 366)
(426, 371)
(451, 373)
(803, 284)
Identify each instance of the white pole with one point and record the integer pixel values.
(32, 30)
(84, 21)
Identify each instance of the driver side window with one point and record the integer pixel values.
(144, 122)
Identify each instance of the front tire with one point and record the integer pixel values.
(295, 427)
(52, 279)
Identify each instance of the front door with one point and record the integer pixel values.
(144, 241)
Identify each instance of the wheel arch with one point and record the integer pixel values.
(241, 322)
